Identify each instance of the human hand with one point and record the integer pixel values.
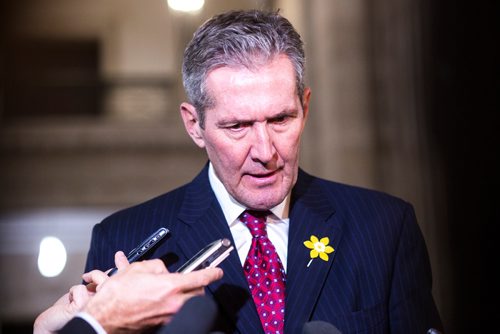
(145, 294)
(65, 308)
(95, 278)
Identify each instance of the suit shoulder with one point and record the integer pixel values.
(367, 211)
(124, 229)
(344, 195)
(364, 193)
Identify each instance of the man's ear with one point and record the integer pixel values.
(305, 101)
(192, 124)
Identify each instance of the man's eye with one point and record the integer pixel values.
(236, 126)
(280, 120)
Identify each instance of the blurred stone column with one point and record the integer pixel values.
(405, 165)
(339, 138)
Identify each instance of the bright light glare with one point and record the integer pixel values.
(186, 5)
(52, 257)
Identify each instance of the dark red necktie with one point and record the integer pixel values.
(265, 274)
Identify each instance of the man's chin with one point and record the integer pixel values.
(262, 202)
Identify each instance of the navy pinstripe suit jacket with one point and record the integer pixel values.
(378, 279)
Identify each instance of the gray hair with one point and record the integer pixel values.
(238, 38)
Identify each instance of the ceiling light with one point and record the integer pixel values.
(52, 257)
(187, 6)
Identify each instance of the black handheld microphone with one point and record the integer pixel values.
(319, 327)
(197, 316)
(144, 247)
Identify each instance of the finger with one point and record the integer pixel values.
(121, 261)
(79, 296)
(65, 299)
(72, 291)
(200, 278)
(95, 277)
(87, 277)
(155, 266)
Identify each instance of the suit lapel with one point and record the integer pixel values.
(311, 214)
(204, 222)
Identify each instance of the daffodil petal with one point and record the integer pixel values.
(325, 241)
(314, 239)
(329, 249)
(309, 244)
(314, 254)
(323, 256)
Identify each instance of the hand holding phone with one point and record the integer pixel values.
(208, 257)
(144, 247)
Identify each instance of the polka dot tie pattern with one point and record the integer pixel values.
(265, 274)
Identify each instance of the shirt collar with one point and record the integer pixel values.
(231, 208)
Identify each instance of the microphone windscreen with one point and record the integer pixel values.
(196, 316)
(319, 327)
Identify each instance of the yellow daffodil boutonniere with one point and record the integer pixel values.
(318, 248)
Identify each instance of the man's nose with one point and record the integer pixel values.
(262, 145)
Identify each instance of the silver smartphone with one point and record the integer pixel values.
(208, 257)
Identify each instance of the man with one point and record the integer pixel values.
(325, 251)
(119, 304)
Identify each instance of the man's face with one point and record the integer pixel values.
(252, 134)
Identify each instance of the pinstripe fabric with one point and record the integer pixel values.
(377, 280)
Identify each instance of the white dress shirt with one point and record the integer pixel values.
(277, 223)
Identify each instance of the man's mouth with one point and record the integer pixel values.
(264, 178)
(263, 175)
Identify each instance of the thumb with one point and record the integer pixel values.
(121, 261)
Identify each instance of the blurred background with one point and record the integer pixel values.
(89, 124)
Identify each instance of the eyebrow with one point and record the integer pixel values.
(286, 112)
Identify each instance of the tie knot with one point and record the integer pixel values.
(256, 222)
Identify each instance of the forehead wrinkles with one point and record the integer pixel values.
(274, 83)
